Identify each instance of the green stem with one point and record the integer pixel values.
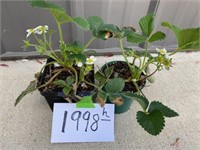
(92, 85)
(124, 55)
(50, 79)
(60, 31)
(76, 79)
(89, 42)
(174, 52)
(138, 89)
(146, 51)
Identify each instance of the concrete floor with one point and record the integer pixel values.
(28, 126)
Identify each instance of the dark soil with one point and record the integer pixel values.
(51, 70)
(122, 69)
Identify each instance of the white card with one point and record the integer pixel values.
(71, 124)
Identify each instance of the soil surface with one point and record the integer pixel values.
(122, 70)
(51, 70)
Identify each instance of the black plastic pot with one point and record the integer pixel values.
(58, 96)
(127, 102)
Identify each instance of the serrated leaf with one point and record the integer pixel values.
(136, 38)
(108, 71)
(100, 78)
(31, 87)
(57, 11)
(140, 99)
(80, 57)
(61, 83)
(147, 24)
(188, 39)
(157, 36)
(114, 85)
(69, 80)
(167, 112)
(81, 22)
(95, 22)
(153, 122)
(85, 102)
(174, 28)
(111, 28)
(67, 89)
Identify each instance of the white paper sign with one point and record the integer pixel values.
(71, 124)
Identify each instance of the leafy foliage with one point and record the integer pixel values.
(153, 122)
(32, 87)
(136, 38)
(146, 24)
(95, 23)
(166, 111)
(114, 85)
(57, 11)
(81, 22)
(140, 99)
(188, 39)
(157, 36)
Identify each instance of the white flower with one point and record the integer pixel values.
(79, 64)
(161, 51)
(166, 56)
(30, 31)
(91, 60)
(41, 29)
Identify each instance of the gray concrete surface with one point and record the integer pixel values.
(28, 126)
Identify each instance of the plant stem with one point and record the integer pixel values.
(89, 42)
(138, 89)
(51, 79)
(148, 75)
(92, 85)
(174, 52)
(76, 79)
(122, 50)
(146, 51)
(60, 31)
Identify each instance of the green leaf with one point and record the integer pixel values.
(95, 23)
(140, 99)
(157, 36)
(153, 122)
(142, 53)
(116, 98)
(114, 85)
(111, 28)
(108, 71)
(39, 49)
(80, 57)
(69, 80)
(82, 23)
(85, 102)
(147, 24)
(32, 87)
(58, 12)
(188, 39)
(100, 78)
(67, 89)
(61, 83)
(136, 38)
(174, 28)
(167, 112)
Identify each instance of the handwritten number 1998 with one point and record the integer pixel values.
(75, 116)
